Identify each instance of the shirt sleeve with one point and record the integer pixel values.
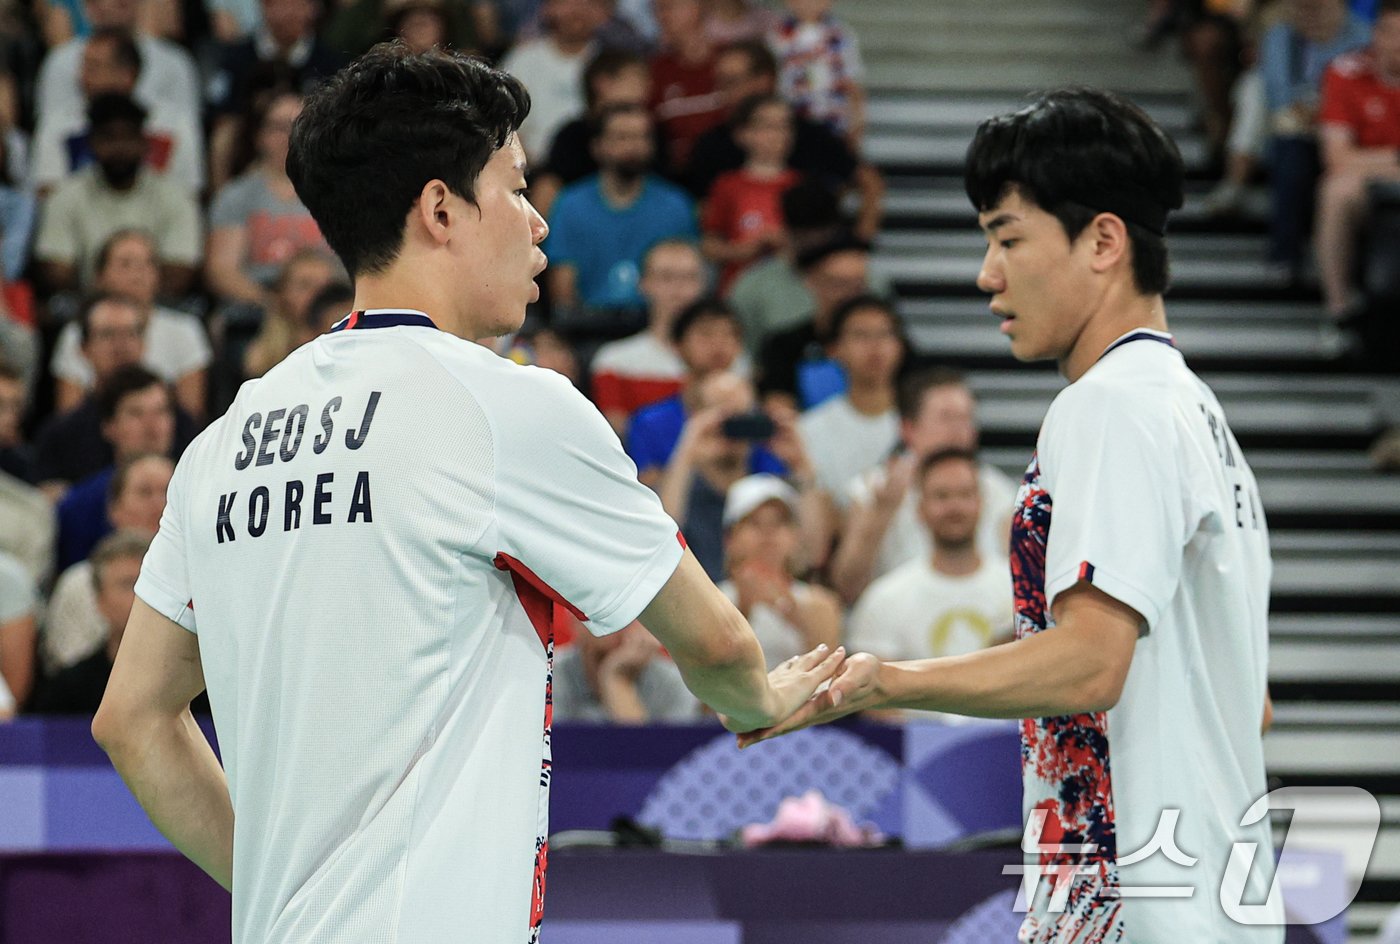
(189, 350)
(1118, 520)
(18, 228)
(16, 589)
(570, 511)
(164, 583)
(1335, 108)
(560, 245)
(68, 361)
(715, 219)
(58, 231)
(230, 206)
(180, 239)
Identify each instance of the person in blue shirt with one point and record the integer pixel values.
(602, 226)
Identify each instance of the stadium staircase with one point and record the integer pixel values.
(1303, 415)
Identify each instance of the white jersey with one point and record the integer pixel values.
(1139, 488)
(371, 545)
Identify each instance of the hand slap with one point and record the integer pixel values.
(794, 681)
(853, 688)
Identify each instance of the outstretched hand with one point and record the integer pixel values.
(793, 682)
(853, 688)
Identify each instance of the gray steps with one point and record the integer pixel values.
(943, 199)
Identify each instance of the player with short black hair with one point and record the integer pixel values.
(1139, 553)
(362, 558)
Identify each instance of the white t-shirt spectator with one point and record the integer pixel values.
(73, 626)
(16, 600)
(779, 637)
(83, 212)
(842, 442)
(660, 689)
(370, 545)
(907, 537)
(555, 82)
(915, 612)
(1139, 488)
(175, 346)
(175, 147)
(168, 79)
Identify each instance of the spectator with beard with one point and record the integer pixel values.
(174, 344)
(117, 193)
(73, 626)
(112, 65)
(602, 226)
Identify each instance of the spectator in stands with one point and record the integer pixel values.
(953, 601)
(286, 324)
(257, 222)
(70, 446)
(1211, 37)
(742, 220)
(551, 66)
(332, 303)
(168, 73)
(73, 627)
(118, 193)
(28, 530)
(772, 296)
(112, 66)
(706, 336)
(937, 412)
(612, 77)
(848, 433)
(116, 563)
(423, 25)
(16, 458)
(353, 26)
(819, 65)
(746, 69)
(138, 417)
(763, 551)
(1246, 143)
(284, 55)
(737, 21)
(640, 370)
(600, 227)
(1360, 136)
(714, 452)
(539, 345)
(18, 211)
(175, 347)
(1293, 57)
(793, 364)
(684, 96)
(17, 635)
(621, 678)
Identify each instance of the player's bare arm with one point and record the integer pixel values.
(1079, 666)
(719, 658)
(145, 726)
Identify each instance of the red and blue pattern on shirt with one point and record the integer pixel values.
(1064, 761)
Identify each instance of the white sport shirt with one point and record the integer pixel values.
(370, 545)
(1139, 487)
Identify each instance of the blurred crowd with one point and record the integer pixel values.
(700, 163)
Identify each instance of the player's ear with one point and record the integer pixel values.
(1111, 246)
(433, 211)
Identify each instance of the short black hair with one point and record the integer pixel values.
(1079, 152)
(845, 241)
(608, 63)
(114, 109)
(370, 138)
(761, 58)
(910, 395)
(864, 302)
(809, 205)
(336, 293)
(90, 304)
(133, 378)
(9, 370)
(125, 50)
(745, 110)
(941, 456)
(1387, 6)
(703, 309)
(598, 125)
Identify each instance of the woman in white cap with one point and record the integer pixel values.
(788, 616)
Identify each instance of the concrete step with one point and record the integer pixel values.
(899, 148)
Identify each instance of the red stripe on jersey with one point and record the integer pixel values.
(537, 597)
(681, 539)
(354, 319)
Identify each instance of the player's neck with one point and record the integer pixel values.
(1119, 311)
(406, 286)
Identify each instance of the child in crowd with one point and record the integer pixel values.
(820, 68)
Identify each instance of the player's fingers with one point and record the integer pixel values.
(810, 713)
(810, 660)
(827, 667)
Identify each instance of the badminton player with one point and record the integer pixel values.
(1139, 556)
(361, 560)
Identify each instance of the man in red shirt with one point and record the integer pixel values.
(1360, 132)
(684, 99)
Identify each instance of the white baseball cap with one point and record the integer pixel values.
(747, 494)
